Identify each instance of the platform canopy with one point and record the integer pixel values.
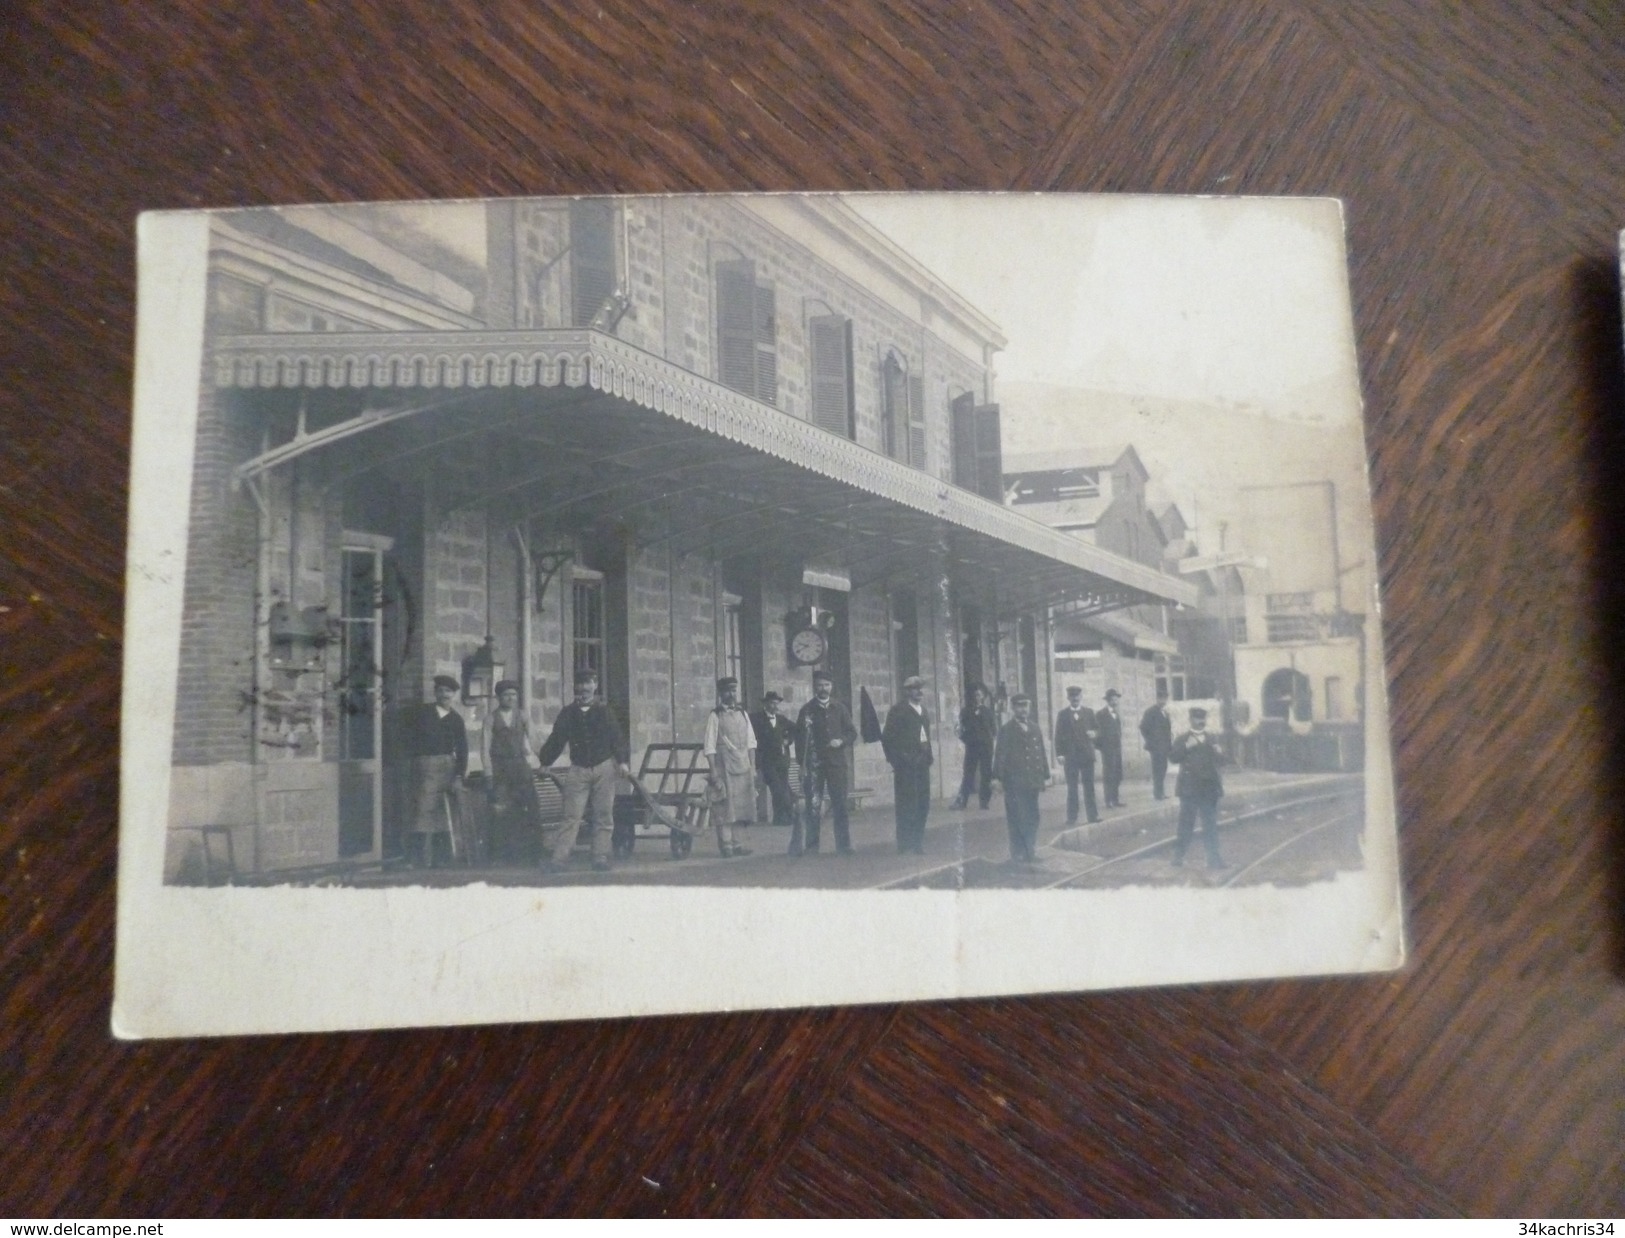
(573, 428)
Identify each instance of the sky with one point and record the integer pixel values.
(1214, 334)
(1230, 300)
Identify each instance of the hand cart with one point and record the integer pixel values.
(669, 799)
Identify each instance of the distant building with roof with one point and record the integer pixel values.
(1098, 495)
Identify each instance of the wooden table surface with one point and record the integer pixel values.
(1481, 153)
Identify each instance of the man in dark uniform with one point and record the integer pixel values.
(907, 744)
(1199, 788)
(824, 733)
(978, 727)
(1109, 741)
(598, 754)
(1075, 745)
(1157, 730)
(775, 738)
(438, 742)
(1022, 767)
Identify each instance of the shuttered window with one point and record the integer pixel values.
(894, 408)
(831, 346)
(767, 346)
(978, 457)
(962, 413)
(902, 412)
(592, 259)
(747, 332)
(916, 421)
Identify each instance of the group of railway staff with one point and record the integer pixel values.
(438, 742)
(1014, 757)
(738, 746)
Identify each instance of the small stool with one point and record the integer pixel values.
(204, 833)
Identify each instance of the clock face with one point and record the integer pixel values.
(807, 646)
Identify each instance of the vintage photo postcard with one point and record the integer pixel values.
(578, 607)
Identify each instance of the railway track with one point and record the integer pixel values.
(1227, 827)
(1252, 840)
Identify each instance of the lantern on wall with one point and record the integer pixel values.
(482, 671)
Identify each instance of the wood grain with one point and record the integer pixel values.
(1478, 151)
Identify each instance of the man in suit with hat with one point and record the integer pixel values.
(775, 739)
(1199, 788)
(978, 729)
(730, 747)
(1109, 741)
(599, 756)
(907, 744)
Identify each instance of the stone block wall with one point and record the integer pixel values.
(650, 649)
(549, 673)
(695, 655)
(674, 251)
(298, 815)
(869, 615)
(454, 592)
(645, 324)
(542, 283)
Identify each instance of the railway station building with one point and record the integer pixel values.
(668, 439)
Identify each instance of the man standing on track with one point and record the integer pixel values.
(1199, 788)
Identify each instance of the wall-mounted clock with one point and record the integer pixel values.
(808, 647)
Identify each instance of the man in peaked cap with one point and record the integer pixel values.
(1075, 745)
(1157, 730)
(730, 747)
(1021, 765)
(439, 747)
(907, 744)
